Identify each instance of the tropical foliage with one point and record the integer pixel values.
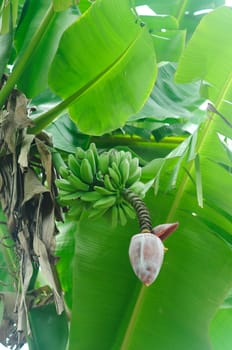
(103, 106)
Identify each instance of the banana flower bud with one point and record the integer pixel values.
(146, 252)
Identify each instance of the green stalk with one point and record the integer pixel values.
(23, 59)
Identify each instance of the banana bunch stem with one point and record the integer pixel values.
(141, 210)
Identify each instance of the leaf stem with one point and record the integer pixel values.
(140, 209)
(23, 59)
(46, 118)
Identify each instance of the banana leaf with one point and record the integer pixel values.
(34, 78)
(101, 77)
(112, 310)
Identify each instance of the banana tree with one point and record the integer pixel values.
(105, 146)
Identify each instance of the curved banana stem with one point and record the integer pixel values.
(140, 209)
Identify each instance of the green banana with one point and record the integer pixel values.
(86, 172)
(105, 202)
(77, 183)
(91, 159)
(122, 216)
(128, 156)
(103, 191)
(128, 210)
(74, 165)
(134, 177)
(115, 167)
(97, 212)
(134, 164)
(124, 169)
(90, 196)
(114, 157)
(108, 184)
(93, 148)
(64, 172)
(80, 153)
(75, 211)
(114, 177)
(64, 185)
(68, 197)
(103, 162)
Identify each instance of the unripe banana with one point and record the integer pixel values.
(64, 185)
(134, 177)
(134, 164)
(114, 157)
(95, 183)
(105, 202)
(115, 179)
(103, 191)
(76, 211)
(114, 215)
(80, 153)
(95, 152)
(124, 169)
(77, 183)
(68, 197)
(122, 216)
(64, 172)
(86, 172)
(90, 196)
(128, 156)
(91, 159)
(108, 184)
(74, 165)
(103, 162)
(97, 212)
(128, 210)
(116, 169)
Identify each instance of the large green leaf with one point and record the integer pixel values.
(208, 57)
(109, 72)
(112, 310)
(49, 330)
(35, 75)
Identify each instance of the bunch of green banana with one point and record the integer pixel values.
(95, 183)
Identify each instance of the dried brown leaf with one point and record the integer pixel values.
(46, 160)
(24, 152)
